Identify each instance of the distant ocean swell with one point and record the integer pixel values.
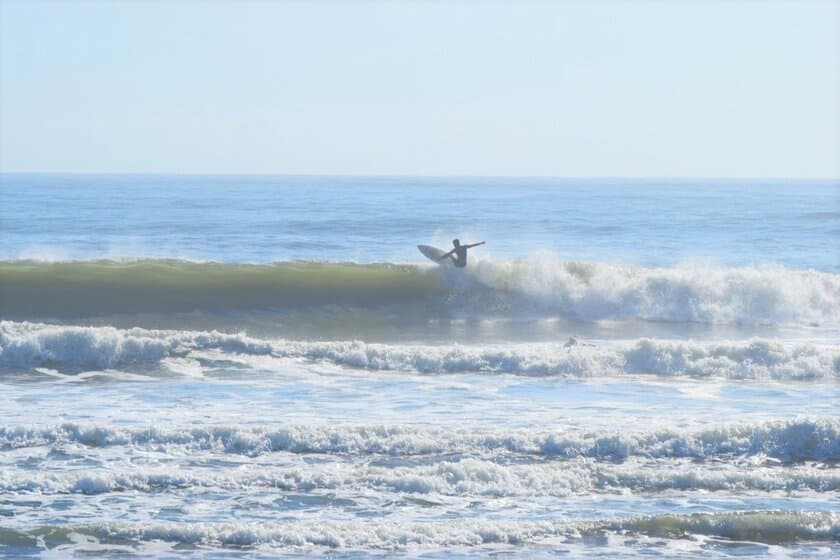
(786, 441)
(769, 527)
(71, 349)
(541, 286)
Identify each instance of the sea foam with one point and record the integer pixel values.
(468, 477)
(767, 527)
(31, 345)
(750, 295)
(788, 441)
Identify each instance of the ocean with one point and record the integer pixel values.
(260, 366)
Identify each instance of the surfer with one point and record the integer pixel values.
(459, 253)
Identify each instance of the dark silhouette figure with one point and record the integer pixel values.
(459, 253)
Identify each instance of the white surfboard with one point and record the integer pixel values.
(434, 254)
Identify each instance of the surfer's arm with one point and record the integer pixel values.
(449, 254)
(476, 244)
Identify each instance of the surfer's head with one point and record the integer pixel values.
(456, 242)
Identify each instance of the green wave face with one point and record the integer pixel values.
(68, 289)
(532, 288)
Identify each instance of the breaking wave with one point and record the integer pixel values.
(540, 286)
(383, 534)
(70, 348)
(465, 477)
(753, 295)
(788, 441)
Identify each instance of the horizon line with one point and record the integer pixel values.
(431, 176)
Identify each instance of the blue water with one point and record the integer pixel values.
(266, 219)
(204, 366)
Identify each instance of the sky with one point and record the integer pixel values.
(741, 89)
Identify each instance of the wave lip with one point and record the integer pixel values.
(25, 345)
(541, 286)
(788, 441)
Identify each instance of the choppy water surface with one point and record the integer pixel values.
(262, 366)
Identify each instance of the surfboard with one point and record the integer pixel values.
(434, 254)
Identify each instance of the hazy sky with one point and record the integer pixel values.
(598, 88)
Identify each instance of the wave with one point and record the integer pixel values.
(771, 527)
(752, 295)
(541, 286)
(91, 288)
(788, 441)
(71, 348)
(767, 527)
(464, 477)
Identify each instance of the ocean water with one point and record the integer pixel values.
(220, 366)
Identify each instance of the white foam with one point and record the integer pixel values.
(788, 441)
(751, 295)
(390, 535)
(469, 477)
(36, 345)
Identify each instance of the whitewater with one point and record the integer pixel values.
(249, 366)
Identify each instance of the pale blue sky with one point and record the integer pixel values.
(599, 88)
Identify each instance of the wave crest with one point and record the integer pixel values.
(770, 527)
(459, 477)
(71, 348)
(788, 441)
(541, 286)
(752, 295)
